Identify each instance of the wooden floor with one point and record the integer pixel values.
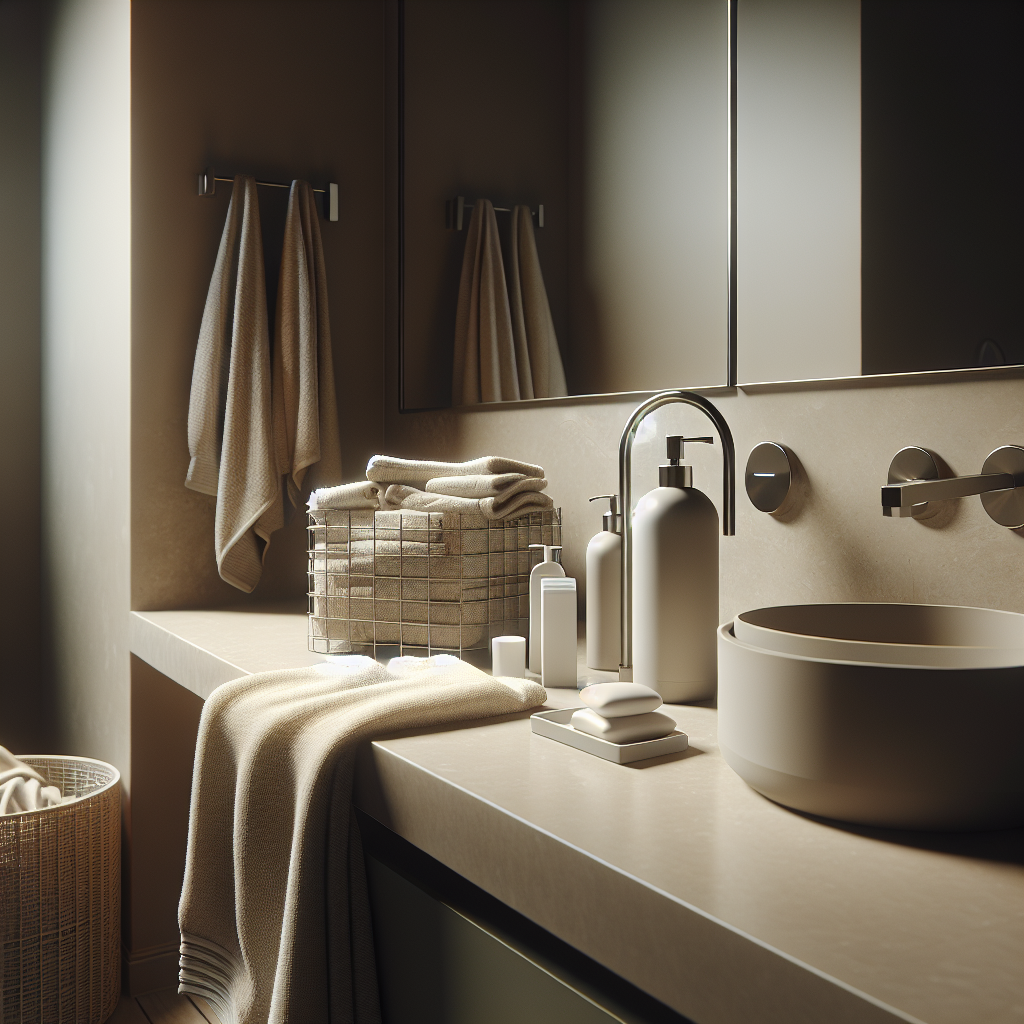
(164, 1007)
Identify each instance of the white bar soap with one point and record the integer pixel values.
(508, 656)
(616, 700)
(558, 631)
(630, 729)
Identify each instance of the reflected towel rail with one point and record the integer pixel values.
(208, 187)
(455, 209)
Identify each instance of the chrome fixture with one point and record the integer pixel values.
(455, 213)
(626, 490)
(769, 476)
(208, 187)
(612, 519)
(914, 481)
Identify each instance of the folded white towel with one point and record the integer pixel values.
(387, 469)
(274, 915)
(361, 494)
(496, 485)
(305, 407)
(22, 788)
(505, 507)
(230, 424)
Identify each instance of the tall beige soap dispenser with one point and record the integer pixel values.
(675, 584)
(547, 568)
(604, 586)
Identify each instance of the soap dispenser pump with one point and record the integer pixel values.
(675, 584)
(545, 569)
(604, 587)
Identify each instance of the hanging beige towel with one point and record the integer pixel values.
(230, 429)
(484, 366)
(538, 360)
(388, 469)
(274, 912)
(305, 408)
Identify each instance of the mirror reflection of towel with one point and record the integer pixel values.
(538, 361)
(484, 367)
(230, 430)
(308, 448)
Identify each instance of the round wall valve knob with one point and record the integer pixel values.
(1006, 506)
(769, 476)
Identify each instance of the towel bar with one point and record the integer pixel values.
(208, 187)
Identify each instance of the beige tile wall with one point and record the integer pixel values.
(835, 545)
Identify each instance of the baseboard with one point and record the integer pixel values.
(148, 970)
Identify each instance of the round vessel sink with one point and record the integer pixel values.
(903, 716)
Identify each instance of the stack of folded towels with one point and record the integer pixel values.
(494, 487)
(622, 713)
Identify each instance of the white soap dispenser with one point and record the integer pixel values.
(549, 567)
(604, 590)
(675, 584)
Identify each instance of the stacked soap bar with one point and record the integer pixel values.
(622, 713)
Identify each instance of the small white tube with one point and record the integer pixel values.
(508, 656)
(558, 631)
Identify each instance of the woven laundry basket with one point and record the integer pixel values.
(60, 899)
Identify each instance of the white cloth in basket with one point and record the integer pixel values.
(22, 788)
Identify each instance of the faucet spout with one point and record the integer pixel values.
(626, 488)
(898, 499)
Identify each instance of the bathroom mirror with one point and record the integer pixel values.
(612, 115)
(880, 182)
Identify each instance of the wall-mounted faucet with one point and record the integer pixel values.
(914, 482)
(626, 491)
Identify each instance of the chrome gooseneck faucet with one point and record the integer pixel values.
(625, 490)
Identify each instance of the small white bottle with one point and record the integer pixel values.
(675, 585)
(604, 590)
(549, 567)
(557, 632)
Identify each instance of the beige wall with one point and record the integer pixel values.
(798, 190)
(835, 545)
(280, 90)
(86, 308)
(27, 722)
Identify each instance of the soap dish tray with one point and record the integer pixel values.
(555, 726)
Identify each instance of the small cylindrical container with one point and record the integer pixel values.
(508, 656)
(604, 590)
(558, 631)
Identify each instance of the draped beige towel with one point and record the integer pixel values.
(230, 429)
(484, 366)
(538, 361)
(305, 408)
(274, 912)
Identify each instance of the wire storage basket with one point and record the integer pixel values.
(404, 582)
(60, 899)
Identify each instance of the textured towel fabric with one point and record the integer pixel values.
(22, 788)
(484, 364)
(403, 496)
(496, 485)
(274, 912)
(230, 429)
(386, 469)
(305, 407)
(361, 494)
(538, 360)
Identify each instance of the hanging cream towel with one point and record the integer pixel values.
(484, 367)
(308, 448)
(230, 429)
(274, 915)
(388, 469)
(538, 360)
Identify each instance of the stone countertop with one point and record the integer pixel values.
(671, 871)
